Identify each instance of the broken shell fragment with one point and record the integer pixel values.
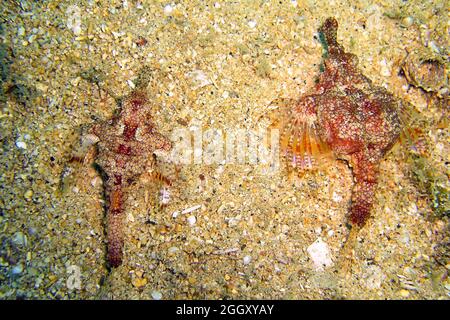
(425, 70)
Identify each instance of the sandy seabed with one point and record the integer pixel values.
(210, 65)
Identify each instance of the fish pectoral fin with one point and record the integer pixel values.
(302, 146)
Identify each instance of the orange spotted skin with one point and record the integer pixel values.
(123, 156)
(346, 115)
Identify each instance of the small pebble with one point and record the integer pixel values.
(139, 282)
(20, 239)
(21, 145)
(403, 293)
(336, 197)
(168, 9)
(320, 254)
(31, 38)
(156, 295)
(173, 250)
(21, 31)
(374, 277)
(139, 273)
(96, 182)
(32, 231)
(28, 195)
(198, 78)
(384, 68)
(252, 24)
(247, 260)
(164, 196)
(17, 269)
(73, 19)
(434, 47)
(192, 220)
(408, 21)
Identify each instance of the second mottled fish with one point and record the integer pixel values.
(344, 116)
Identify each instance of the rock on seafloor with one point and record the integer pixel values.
(320, 255)
(156, 295)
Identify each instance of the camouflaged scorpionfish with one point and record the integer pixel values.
(344, 116)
